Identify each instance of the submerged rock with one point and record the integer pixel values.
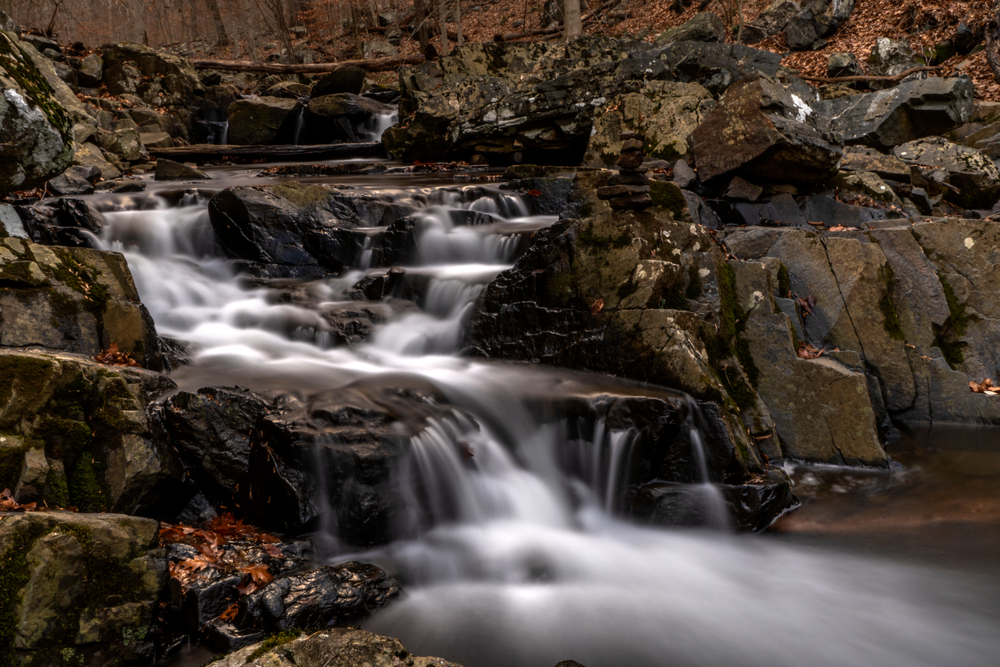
(81, 588)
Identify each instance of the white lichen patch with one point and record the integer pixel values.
(969, 242)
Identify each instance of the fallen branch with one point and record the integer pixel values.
(202, 152)
(372, 65)
(852, 79)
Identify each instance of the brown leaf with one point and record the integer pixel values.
(596, 306)
(807, 351)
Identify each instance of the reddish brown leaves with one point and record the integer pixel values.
(597, 306)
(8, 504)
(806, 305)
(535, 193)
(807, 351)
(114, 357)
(985, 387)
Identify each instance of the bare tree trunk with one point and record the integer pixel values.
(458, 22)
(421, 23)
(220, 27)
(993, 40)
(443, 18)
(572, 22)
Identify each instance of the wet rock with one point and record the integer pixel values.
(762, 129)
(702, 27)
(294, 230)
(64, 221)
(909, 111)
(263, 121)
(340, 117)
(336, 647)
(975, 180)
(341, 80)
(331, 596)
(83, 588)
(73, 181)
(73, 300)
(168, 170)
(38, 141)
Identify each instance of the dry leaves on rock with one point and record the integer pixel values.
(115, 357)
(597, 306)
(985, 387)
(807, 351)
(9, 504)
(806, 305)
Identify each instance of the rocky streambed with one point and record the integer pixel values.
(509, 417)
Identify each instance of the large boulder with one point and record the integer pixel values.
(340, 117)
(78, 434)
(159, 78)
(36, 131)
(973, 177)
(665, 113)
(909, 111)
(72, 299)
(336, 647)
(702, 27)
(341, 80)
(79, 589)
(294, 230)
(818, 19)
(761, 129)
(263, 120)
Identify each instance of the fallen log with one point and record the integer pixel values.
(854, 79)
(372, 65)
(204, 152)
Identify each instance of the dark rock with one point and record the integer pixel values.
(65, 221)
(861, 159)
(717, 66)
(263, 121)
(760, 128)
(340, 117)
(843, 64)
(168, 170)
(890, 57)
(73, 181)
(91, 71)
(827, 209)
(771, 21)
(702, 27)
(742, 189)
(331, 596)
(801, 33)
(120, 185)
(972, 174)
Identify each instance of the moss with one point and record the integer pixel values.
(694, 286)
(14, 575)
(728, 342)
(784, 282)
(946, 336)
(56, 489)
(274, 641)
(11, 462)
(21, 68)
(28, 372)
(668, 195)
(85, 490)
(890, 317)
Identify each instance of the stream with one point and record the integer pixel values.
(514, 555)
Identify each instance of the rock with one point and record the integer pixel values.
(339, 117)
(37, 131)
(155, 140)
(665, 113)
(122, 142)
(378, 48)
(120, 185)
(160, 79)
(82, 587)
(289, 89)
(89, 155)
(295, 230)
(123, 78)
(801, 33)
(973, 175)
(262, 121)
(717, 66)
(168, 170)
(909, 111)
(72, 182)
(843, 64)
(760, 128)
(741, 189)
(62, 93)
(330, 596)
(862, 159)
(890, 57)
(11, 221)
(702, 27)
(74, 300)
(64, 221)
(771, 21)
(91, 71)
(341, 80)
(336, 647)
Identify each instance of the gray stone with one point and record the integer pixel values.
(261, 121)
(909, 111)
(71, 182)
(91, 71)
(341, 80)
(155, 140)
(378, 48)
(122, 142)
(843, 64)
(702, 27)
(863, 159)
(168, 170)
(771, 21)
(976, 180)
(11, 221)
(890, 57)
(86, 590)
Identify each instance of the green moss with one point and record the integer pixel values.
(728, 342)
(666, 194)
(784, 282)
(729, 308)
(21, 68)
(14, 575)
(85, 490)
(56, 489)
(30, 374)
(11, 462)
(274, 641)
(890, 317)
(946, 336)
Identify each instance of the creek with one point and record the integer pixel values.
(513, 553)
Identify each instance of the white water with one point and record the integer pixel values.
(507, 557)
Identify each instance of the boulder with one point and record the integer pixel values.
(159, 78)
(341, 80)
(340, 117)
(771, 21)
(665, 113)
(762, 129)
(702, 27)
(330, 596)
(716, 66)
(378, 48)
(91, 71)
(890, 57)
(155, 140)
(336, 647)
(975, 180)
(123, 142)
(909, 111)
(37, 130)
(89, 155)
(843, 64)
(73, 181)
(64, 221)
(864, 159)
(80, 588)
(78, 434)
(72, 299)
(168, 170)
(262, 121)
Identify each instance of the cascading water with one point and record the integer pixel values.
(508, 545)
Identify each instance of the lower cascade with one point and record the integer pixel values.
(507, 515)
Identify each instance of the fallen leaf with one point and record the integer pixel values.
(807, 351)
(596, 306)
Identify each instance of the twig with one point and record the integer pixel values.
(851, 79)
